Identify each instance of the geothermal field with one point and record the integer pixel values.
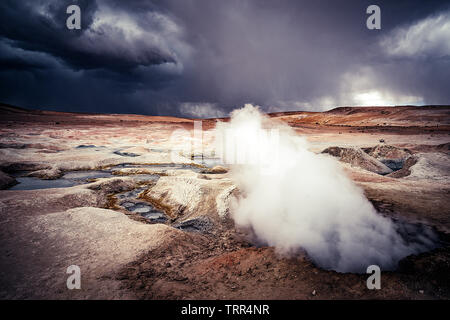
(291, 205)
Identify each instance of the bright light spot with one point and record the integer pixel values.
(377, 98)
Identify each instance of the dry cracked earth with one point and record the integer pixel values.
(107, 193)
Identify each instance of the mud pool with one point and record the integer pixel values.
(209, 162)
(161, 167)
(73, 178)
(69, 179)
(130, 201)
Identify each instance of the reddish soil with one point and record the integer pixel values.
(223, 264)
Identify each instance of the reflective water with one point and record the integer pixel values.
(69, 179)
(73, 178)
(130, 201)
(30, 183)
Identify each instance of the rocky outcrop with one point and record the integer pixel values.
(215, 170)
(358, 158)
(391, 156)
(6, 181)
(443, 148)
(432, 167)
(22, 166)
(186, 196)
(46, 174)
(406, 168)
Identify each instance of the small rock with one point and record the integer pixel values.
(313, 293)
(215, 170)
(6, 181)
(421, 291)
(46, 174)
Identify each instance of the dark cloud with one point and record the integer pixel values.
(207, 57)
(41, 26)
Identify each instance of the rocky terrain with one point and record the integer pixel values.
(144, 216)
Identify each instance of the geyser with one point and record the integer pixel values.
(293, 198)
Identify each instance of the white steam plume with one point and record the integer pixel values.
(296, 199)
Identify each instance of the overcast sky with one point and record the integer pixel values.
(204, 58)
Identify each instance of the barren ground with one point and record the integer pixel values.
(141, 223)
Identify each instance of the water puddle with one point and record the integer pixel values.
(130, 202)
(86, 146)
(83, 175)
(161, 167)
(90, 147)
(209, 162)
(73, 178)
(126, 154)
(31, 183)
(394, 165)
(133, 194)
(146, 210)
(69, 179)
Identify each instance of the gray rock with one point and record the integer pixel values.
(6, 181)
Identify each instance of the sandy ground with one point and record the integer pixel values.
(197, 253)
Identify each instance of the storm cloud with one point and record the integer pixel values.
(203, 58)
